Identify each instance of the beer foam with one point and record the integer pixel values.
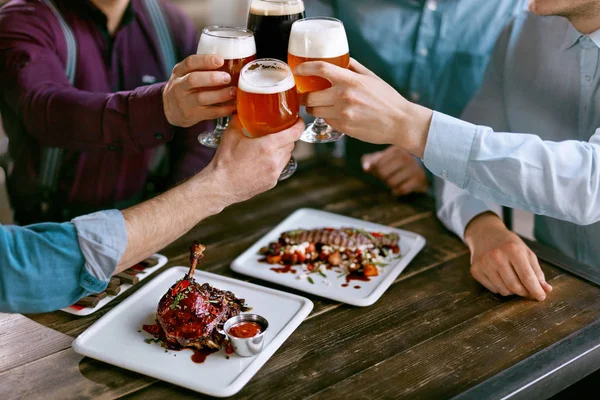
(229, 44)
(318, 38)
(266, 77)
(276, 7)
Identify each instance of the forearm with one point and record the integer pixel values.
(557, 179)
(156, 223)
(62, 116)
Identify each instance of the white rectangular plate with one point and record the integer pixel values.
(75, 310)
(330, 287)
(115, 339)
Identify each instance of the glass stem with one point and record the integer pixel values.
(222, 124)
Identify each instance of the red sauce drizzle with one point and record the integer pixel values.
(284, 270)
(228, 348)
(199, 356)
(245, 330)
(355, 276)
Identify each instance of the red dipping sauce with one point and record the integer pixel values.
(245, 330)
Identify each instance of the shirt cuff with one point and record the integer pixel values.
(147, 117)
(102, 239)
(448, 148)
(467, 209)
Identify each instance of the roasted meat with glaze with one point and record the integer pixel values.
(191, 315)
(345, 237)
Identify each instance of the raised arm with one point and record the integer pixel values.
(36, 92)
(45, 267)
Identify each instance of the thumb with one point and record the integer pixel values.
(370, 160)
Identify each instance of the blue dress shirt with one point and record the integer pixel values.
(544, 80)
(45, 267)
(433, 52)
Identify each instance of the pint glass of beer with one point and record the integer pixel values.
(268, 101)
(237, 47)
(271, 22)
(318, 39)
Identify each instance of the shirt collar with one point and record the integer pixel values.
(595, 36)
(572, 36)
(86, 9)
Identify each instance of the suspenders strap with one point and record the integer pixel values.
(52, 157)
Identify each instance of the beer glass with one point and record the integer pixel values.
(318, 39)
(237, 47)
(268, 101)
(271, 22)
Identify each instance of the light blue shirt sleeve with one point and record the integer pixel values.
(45, 267)
(556, 179)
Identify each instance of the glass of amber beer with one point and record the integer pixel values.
(237, 47)
(318, 39)
(267, 101)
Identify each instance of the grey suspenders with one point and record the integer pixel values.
(51, 159)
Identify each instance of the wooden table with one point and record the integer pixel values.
(434, 334)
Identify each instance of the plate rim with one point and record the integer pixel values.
(306, 306)
(238, 266)
(162, 261)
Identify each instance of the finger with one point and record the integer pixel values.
(206, 113)
(327, 112)
(286, 137)
(204, 79)
(326, 97)
(368, 160)
(512, 281)
(399, 178)
(332, 73)
(198, 62)
(498, 282)
(410, 186)
(361, 69)
(211, 97)
(531, 282)
(483, 279)
(537, 269)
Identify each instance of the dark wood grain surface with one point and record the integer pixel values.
(435, 333)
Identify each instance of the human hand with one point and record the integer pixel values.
(246, 167)
(399, 169)
(364, 106)
(502, 262)
(188, 97)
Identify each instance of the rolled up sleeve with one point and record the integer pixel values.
(45, 267)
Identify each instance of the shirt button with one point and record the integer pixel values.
(588, 78)
(444, 174)
(432, 5)
(415, 96)
(423, 51)
(158, 136)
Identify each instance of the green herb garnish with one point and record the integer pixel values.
(311, 280)
(178, 298)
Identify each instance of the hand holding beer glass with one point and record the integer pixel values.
(318, 39)
(236, 46)
(267, 101)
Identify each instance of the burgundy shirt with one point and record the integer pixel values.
(111, 121)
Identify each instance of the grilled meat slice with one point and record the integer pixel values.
(345, 237)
